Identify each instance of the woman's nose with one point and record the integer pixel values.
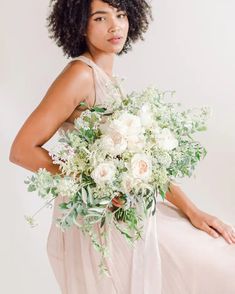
(114, 25)
(115, 29)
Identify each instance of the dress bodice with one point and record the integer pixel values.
(104, 84)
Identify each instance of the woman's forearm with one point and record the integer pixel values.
(33, 159)
(180, 200)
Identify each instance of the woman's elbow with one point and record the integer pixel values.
(15, 156)
(18, 153)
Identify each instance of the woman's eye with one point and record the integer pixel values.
(99, 18)
(122, 15)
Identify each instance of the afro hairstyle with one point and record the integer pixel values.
(68, 19)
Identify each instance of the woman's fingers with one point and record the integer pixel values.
(210, 231)
(213, 226)
(231, 233)
(224, 230)
(232, 237)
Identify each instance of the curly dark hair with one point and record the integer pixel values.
(67, 23)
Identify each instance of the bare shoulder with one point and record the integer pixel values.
(76, 79)
(66, 92)
(78, 69)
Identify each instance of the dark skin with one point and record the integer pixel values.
(61, 104)
(57, 107)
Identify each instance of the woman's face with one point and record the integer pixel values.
(107, 28)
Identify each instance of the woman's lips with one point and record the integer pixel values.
(115, 40)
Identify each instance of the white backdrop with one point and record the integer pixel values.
(189, 48)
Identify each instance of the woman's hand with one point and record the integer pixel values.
(212, 225)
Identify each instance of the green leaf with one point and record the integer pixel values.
(155, 205)
(83, 104)
(149, 204)
(54, 191)
(102, 221)
(31, 188)
(84, 196)
(162, 193)
(90, 196)
(89, 133)
(104, 202)
(92, 215)
(63, 205)
(97, 209)
(98, 109)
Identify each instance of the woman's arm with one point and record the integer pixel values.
(201, 220)
(71, 87)
(180, 200)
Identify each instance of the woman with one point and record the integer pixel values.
(177, 254)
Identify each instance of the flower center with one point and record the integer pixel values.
(103, 173)
(143, 166)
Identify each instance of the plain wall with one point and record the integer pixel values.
(190, 48)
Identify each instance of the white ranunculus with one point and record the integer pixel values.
(104, 173)
(136, 143)
(146, 115)
(141, 166)
(114, 143)
(166, 140)
(127, 124)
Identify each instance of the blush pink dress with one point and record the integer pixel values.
(172, 258)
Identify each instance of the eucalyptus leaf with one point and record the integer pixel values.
(97, 209)
(84, 195)
(104, 202)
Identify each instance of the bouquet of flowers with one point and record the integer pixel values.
(115, 163)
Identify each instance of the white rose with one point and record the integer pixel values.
(127, 124)
(136, 143)
(146, 115)
(114, 143)
(166, 140)
(104, 173)
(141, 166)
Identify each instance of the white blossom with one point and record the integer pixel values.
(127, 124)
(67, 187)
(104, 173)
(136, 143)
(146, 115)
(141, 166)
(114, 143)
(166, 140)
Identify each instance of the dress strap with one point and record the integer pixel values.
(92, 64)
(85, 60)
